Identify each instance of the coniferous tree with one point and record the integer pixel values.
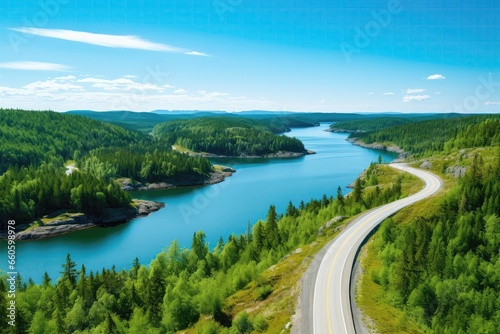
(273, 238)
(69, 272)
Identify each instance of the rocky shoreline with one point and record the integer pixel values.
(215, 177)
(62, 223)
(71, 222)
(279, 154)
(376, 146)
(339, 130)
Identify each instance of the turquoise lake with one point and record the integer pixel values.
(218, 210)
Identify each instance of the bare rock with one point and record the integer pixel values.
(331, 222)
(426, 165)
(456, 171)
(71, 222)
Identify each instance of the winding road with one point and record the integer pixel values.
(331, 304)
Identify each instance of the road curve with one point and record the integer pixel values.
(331, 311)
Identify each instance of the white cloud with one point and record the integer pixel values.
(180, 91)
(121, 84)
(389, 93)
(490, 103)
(415, 90)
(196, 53)
(34, 66)
(110, 41)
(130, 76)
(52, 86)
(438, 93)
(66, 78)
(436, 77)
(415, 98)
(64, 93)
(370, 93)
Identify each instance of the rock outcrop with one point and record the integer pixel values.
(215, 177)
(426, 165)
(376, 146)
(456, 171)
(71, 222)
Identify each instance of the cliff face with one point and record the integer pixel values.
(70, 222)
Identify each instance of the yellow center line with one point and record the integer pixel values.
(333, 262)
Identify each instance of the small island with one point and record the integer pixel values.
(226, 137)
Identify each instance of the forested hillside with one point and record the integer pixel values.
(146, 121)
(226, 136)
(427, 137)
(34, 145)
(442, 266)
(31, 137)
(365, 125)
(145, 163)
(181, 286)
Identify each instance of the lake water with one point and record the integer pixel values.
(218, 210)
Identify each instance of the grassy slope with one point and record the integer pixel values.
(375, 303)
(284, 277)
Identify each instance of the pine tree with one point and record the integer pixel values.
(46, 280)
(291, 210)
(110, 325)
(69, 272)
(258, 236)
(155, 291)
(135, 268)
(357, 191)
(340, 196)
(199, 246)
(272, 232)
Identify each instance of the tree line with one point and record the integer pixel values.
(433, 136)
(364, 125)
(152, 163)
(30, 137)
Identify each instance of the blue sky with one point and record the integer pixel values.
(296, 55)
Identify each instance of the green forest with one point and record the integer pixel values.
(182, 285)
(434, 136)
(226, 136)
(146, 121)
(32, 137)
(151, 163)
(34, 146)
(365, 125)
(442, 267)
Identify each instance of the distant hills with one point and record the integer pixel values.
(279, 121)
(145, 121)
